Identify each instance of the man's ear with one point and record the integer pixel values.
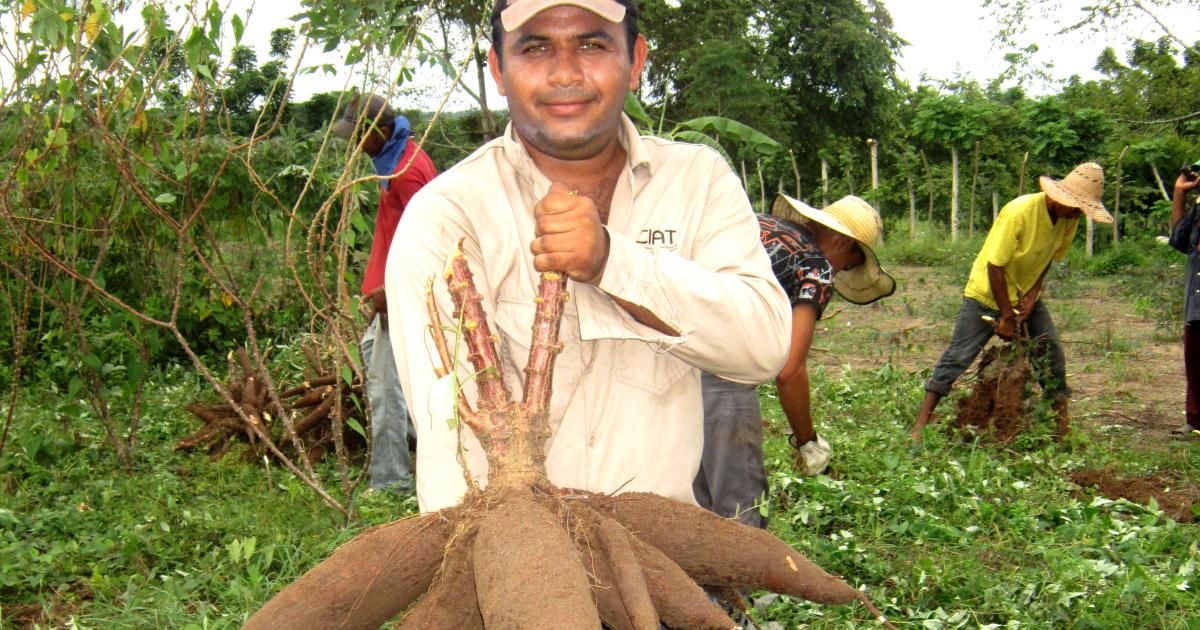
(494, 67)
(640, 52)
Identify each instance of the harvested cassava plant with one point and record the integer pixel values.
(523, 553)
(996, 405)
(324, 403)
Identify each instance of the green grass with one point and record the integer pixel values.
(177, 542)
(951, 534)
(960, 534)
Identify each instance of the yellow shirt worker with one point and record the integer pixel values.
(1005, 285)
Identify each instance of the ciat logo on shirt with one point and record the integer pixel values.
(657, 239)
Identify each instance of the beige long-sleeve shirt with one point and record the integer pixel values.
(626, 411)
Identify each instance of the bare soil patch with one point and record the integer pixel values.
(1125, 371)
(1174, 496)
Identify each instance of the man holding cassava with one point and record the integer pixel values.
(403, 168)
(667, 275)
(1003, 292)
(813, 254)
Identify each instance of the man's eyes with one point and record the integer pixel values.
(586, 45)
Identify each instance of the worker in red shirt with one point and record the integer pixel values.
(403, 168)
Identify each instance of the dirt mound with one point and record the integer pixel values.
(996, 405)
(1175, 497)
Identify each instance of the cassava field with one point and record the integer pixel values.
(957, 532)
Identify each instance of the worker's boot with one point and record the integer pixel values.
(1062, 417)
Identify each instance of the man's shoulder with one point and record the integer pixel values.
(671, 150)
(464, 178)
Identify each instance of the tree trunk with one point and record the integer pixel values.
(912, 211)
(1021, 180)
(1091, 236)
(974, 181)
(824, 183)
(487, 122)
(1158, 179)
(1117, 202)
(995, 205)
(762, 188)
(875, 182)
(795, 172)
(928, 186)
(953, 193)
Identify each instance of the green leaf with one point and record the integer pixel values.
(239, 28)
(356, 220)
(165, 199)
(356, 427)
(347, 374)
(735, 131)
(634, 109)
(92, 361)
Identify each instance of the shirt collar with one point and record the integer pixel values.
(636, 153)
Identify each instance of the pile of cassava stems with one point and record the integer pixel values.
(318, 407)
(523, 553)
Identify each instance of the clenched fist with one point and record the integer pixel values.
(570, 237)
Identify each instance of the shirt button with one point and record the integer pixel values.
(592, 438)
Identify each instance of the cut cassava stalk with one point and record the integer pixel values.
(525, 554)
(311, 407)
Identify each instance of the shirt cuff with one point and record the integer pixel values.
(628, 270)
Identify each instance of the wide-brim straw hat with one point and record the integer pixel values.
(855, 218)
(1082, 188)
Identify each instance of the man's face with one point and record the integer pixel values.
(1063, 210)
(372, 137)
(566, 72)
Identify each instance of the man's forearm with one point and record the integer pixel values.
(795, 399)
(1177, 204)
(999, 285)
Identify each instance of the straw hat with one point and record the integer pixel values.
(855, 218)
(1083, 188)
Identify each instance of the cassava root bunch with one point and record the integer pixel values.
(522, 553)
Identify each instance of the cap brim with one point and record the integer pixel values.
(865, 283)
(342, 127)
(1095, 211)
(521, 12)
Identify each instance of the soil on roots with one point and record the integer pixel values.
(1175, 497)
(996, 405)
(544, 558)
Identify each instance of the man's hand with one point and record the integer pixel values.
(1006, 327)
(570, 237)
(1185, 185)
(812, 458)
(1025, 306)
(378, 301)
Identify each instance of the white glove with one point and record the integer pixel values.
(812, 457)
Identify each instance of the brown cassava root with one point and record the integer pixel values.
(522, 553)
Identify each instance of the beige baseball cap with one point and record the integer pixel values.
(518, 12)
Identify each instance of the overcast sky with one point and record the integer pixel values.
(948, 39)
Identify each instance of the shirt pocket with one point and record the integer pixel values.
(641, 366)
(514, 319)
